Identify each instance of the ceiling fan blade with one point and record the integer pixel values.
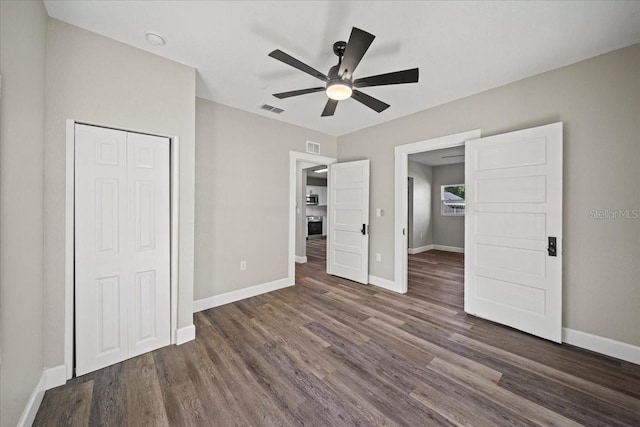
(290, 60)
(283, 95)
(358, 43)
(369, 101)
(395, 78)
(330, 108)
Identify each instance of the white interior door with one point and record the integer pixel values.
(149, 245)
(348, 241)
(122, 292)
(513, 275)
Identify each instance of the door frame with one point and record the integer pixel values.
(69, 246)
(294, 158)
(400, 270)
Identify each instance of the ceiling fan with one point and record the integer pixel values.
(340, 84)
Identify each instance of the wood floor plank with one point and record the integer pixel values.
(108, 398)
(461, 412)
(260, 407)
(493, 391)
(71, 407)
(612, 396)
(330, 352)
(143, 393)
(441, 352)
(180, 399)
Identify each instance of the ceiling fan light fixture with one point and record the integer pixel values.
(339, 91)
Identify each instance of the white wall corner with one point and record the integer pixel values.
(301, 259)
(607, 346)
(413, 251)
(385, 284)
(233, 296)
(33, 404)
(55, 377)
(186, 334)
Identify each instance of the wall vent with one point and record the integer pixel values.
(313, 147)
(271, 108)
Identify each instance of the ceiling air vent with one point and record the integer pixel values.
(271, 108)
(313, 147)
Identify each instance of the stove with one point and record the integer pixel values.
(314, 226)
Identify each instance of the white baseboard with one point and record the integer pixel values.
(186, 334)
(448, 248)
(301, 259)
(55, 377)
(389, 285)
(413, 251)
(613, 348)
(233, 296)
(33, 404)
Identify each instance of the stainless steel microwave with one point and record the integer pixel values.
(312, 199)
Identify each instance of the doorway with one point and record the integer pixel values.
(435, 226)
(402, 153)
(347, 215)
(314, 180)
(300, 166)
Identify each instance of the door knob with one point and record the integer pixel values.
(552, 247)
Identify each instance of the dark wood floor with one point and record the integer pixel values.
(331, 352)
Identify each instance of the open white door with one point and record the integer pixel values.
(513, 266)
(348, 237)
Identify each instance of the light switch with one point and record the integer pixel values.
(379, 212)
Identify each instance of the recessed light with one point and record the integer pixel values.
(155, 39)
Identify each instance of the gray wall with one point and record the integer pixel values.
(599, 102)
(242, 196)
(97, 80)
(23, 27)
(421, 228)
(447, 230)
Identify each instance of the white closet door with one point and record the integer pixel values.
(148, 240)
(122, 287)
(101, 255)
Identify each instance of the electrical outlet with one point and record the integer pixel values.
(243, 265)
(378, 257)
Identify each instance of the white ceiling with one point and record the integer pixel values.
(439, 157)
(461, 48)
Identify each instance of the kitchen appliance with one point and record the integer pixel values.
(312, 199)
(314, 227)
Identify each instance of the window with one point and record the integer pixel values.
(452, 199)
